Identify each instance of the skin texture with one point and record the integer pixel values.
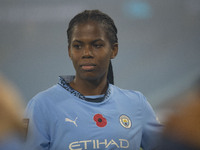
(90, 52)
(11, 109)
(184, 125)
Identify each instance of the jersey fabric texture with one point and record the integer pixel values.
(63, 119)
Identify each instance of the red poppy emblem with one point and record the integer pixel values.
(100, 120)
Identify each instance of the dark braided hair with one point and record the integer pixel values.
(108, 25)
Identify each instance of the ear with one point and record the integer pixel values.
(114, 50)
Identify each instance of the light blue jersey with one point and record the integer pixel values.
(63, 119)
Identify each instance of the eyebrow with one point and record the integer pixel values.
(77, 41)
(91, 42)
(97, 40)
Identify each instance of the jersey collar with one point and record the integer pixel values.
(64, 82)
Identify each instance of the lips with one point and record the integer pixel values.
(87, 67)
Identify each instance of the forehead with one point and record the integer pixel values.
(88, 30)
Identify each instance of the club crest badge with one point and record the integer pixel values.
(125, 121)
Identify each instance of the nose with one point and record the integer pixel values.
(87, 52)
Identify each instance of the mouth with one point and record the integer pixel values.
(88, 67)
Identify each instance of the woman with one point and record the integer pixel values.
(87, 111)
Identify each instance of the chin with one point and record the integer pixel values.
(91, 76)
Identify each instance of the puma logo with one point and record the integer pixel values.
(69, 120)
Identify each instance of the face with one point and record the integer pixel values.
(90, 51)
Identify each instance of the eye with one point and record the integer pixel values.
(77, 46)
(98, 45)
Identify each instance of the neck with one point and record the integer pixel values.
(90, 87)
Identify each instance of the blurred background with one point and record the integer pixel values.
(159, 44)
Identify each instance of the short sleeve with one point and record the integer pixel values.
(151, 127)
(38, 137)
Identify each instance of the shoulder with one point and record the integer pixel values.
(47, 96)
(128, 93)
(130, 97)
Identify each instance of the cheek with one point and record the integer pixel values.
(105, 62)
(74, 57)
(74, 61)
